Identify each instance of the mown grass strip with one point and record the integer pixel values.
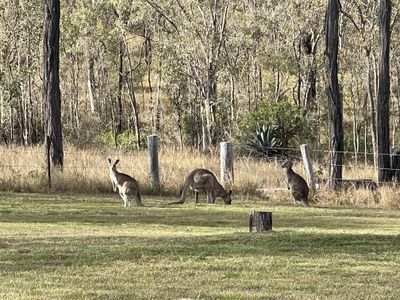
(90, 247)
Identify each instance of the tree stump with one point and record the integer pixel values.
(260, 221)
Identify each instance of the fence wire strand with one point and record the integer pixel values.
(38, 153)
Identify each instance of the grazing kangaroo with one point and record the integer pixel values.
(296, 184)
(204, 180)
(127, 186)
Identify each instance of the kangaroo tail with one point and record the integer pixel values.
(182, 194)
(177, 202)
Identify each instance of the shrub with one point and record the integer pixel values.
(290, 126)
(264, 142)
(86, 134)
(125, 140)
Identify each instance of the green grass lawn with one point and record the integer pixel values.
(90, 247)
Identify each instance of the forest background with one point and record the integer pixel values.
(196, 73)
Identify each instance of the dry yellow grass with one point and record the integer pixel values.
(23, 169)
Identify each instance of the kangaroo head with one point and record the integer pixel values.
(287, 164)
(227, 197)
(112, 166)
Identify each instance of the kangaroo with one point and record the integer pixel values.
(296, 184)
(127, 186)
(204, 180)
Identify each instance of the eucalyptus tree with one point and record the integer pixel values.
(384, 172)
(93, 36)
(51, 84)
(20, 28)
(134, 23)
(203, 29)
(359, 49)
(335, 101)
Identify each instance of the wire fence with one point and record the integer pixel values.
(33, 159)
(24, 169)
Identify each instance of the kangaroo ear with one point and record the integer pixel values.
(230, 192)
(117, 161)
(109, 160)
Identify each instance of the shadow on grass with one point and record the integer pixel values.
(221, 216)
(298, 232)
(29, 253)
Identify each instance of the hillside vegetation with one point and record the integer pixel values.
(192, 71)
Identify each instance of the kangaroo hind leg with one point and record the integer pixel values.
(126, 200)
(305, 202)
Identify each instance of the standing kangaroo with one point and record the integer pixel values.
(127, 186)
(204, 180)
(296, 184)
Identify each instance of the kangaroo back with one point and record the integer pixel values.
(203, 180)
(298, 186)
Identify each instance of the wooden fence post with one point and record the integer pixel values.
(308, 166)
(226, 163)
(395, 162)
(152, 141)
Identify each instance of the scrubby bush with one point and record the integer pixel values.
(124, 141)
(289, 125)
(264, 142)
(84, 135)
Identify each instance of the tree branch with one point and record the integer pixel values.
(160, 11)
(350, 18)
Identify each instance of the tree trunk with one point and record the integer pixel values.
(249, 92)
(310, 86)
(91, 81)
(157, 108)
(260, 221)
(51, 84)
(383, 116)
(370, 91)
(148, 60)
(335, 102)
(204, 145)
(232, 102)
(75, 92)
(356, 126)
(135, 112)
(210, 103)
(132, 97)
(12, 131)
(120, 85)
(310, 93)
(277, 92)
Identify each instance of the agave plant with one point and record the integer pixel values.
(265, 141)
